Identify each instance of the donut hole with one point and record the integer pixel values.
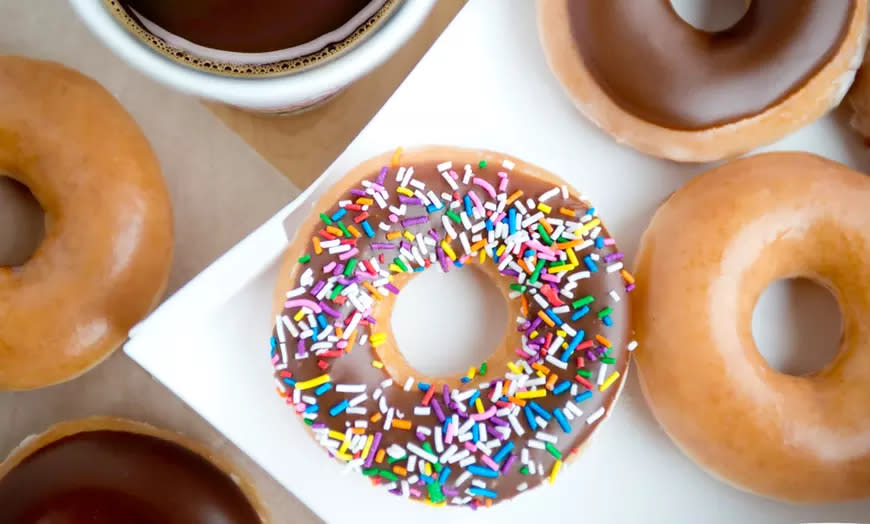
(22, 223)
(445, 323)
(711, 16)
(797, 326)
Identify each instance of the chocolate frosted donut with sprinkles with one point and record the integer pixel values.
(514, 422)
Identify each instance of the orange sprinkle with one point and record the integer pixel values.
(354, 232)
(393, 235)
(524, 307)
(566, 211)
(380, 456)
(537, 366)
(359, 431)
(515, 195)
(317, 249)
(627, 276)
(350, 342)
(480, 244)
(547, 320)
(603, 341)
(335, 231)
(569, 244)
(551, 381)
(488, 502)
(401, 424)
(399, 470)
(547, 227)
(363, 201)
(374, 418)
(375, 294)
(339, 331)
(518, 401)
(397, 154)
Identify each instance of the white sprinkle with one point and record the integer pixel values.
(358, 399)
(466, 462)
(578, 276)
(412, 463)
(537, 444)
(408, 383)
(595, 416)
(350, 388)
(602, 374)
(556, 362)
(388, 423)
(549, 194)
(448, 227)
(565, 191)
(439, 441)
(387, 382)
(396, 451)
(449, 453)
(547, 437)
(574, 409)
(296, 292)
(522, 487)
(450, 181)
(631, 345)
(532, 467)
(444, 166)
(462, 478)
(524, 455)
(462, 455)
(478, 483)
(541, 422)
(382, 405)
(614, 295)
(614, 267)
(422, 453)
(377, 394)
(507, 164)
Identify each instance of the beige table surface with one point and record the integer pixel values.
(221, 189)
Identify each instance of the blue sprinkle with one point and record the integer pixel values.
(566, 355)
(339, 408)
(576, 341)
(426, 478)
(540, 411)
(482, 471)
(314, 332)
(321, 320)
(512, 221)
(580, 313)
(563, 422)
(473, 397)
(422, 386)
(475, 435)
(465, 380)
(442, 478)
(561, 387)
(338, 215)
(313, 408)
(583, 396)
(599, 242)
(503, 451)
(468, 208)
(483, 492)
(530, 418)
(528, 253)
(590, 264)
(289, 381)
(554, 317)
(273, 343)
(607, 321)
(457, 263)
(323, 388)
(368, 229)
(590, 211)
(488, 224)
(419, 269)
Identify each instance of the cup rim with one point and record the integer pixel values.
(266, 92)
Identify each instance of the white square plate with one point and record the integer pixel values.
(484, 84)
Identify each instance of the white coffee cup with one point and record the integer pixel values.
(292, 92)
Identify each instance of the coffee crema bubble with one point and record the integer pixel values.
(218, 36)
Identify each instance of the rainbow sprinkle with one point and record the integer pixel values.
(503, 431)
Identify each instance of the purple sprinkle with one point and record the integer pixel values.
(436, 406)
(591, 355)
(613, 257)
(371, 320)
(434, 234)
(357, 192)
(413, 221)
(344, 281)
(382, 175)
(629, 288)
(533, 358)
(328, 310)
(421, 437)
(338, 269)
(373, 450)
(300, 347)
(443, 259)
(317, 287)
(382, 245)
(445, 394)
(524, 326)
(406, 245)
(498, 421)
(510, 272)
(508, 463)
(536, 323)
(318, 425)
(392, 289)
(450, 492)
(414, 201)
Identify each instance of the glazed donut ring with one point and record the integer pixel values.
(693, 96)
(105, 257)
(470, 439)
(709, 252)
(106, 470)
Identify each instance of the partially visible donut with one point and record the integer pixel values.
(469, 439)
(103, 470)
(709, 252)
(859, 100)
(654, 82)
(105, 257)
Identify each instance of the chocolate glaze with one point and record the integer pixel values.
(356, 367)
(250, 26)
(115, 477)
(659, 68)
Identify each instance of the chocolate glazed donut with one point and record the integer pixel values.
(650, 79)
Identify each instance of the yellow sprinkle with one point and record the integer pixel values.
(299, 315)
(313, 383)
(339, 331)
(561, 333)
(500, 250)
(395, 269)
(344, 445)
(428, 468)
(449, 250)
(547, 320)
(534, 334)
(408, 235)
(364, 201)
(393, 235)
(404, 191)
(538, 393)
(471, 372)
(397, 154)
(603, 341)
(344, 456)
(378, 364)
(482, 256)
(367, 447)
(544, 207)
(572, 257)
(317, 249)
(515, 195)
(609, 381)
(337, 435)
(555, 471)
(514, 368)
(335, 231)
(479, 405)
(353, 231)
(588, 226)
(559, 269)
(566, 211)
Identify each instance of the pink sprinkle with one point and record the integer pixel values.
(485, 185)
(546, 256)
(609, 242)
(341, 344)
(477, 203)
(549, 277)
(451, 431)
(348, 254)
(275, 359)
(303, 302)
(469, 446)
(485, 415)
(453, 174)
(393, 218)
(537, 246)
(416, 492)
(329, 267)
(300, 407)
(489, 462)
(498, 218)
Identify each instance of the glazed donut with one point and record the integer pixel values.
(709, 252)
(105, 256)
(654, 82)
(104, 470)
(859, 100)
(473, 439)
